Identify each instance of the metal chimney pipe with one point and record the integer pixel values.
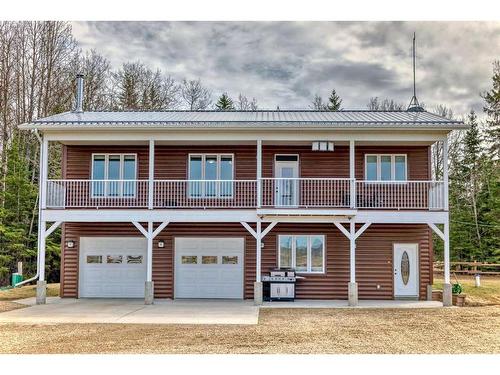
(79, 93)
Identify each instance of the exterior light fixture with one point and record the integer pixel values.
(161, 244)
(70, 244)
(322, 146)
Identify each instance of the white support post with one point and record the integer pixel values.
(352, 289)
(257, 290)
(41, 284)
(149, 286)
(259, 173)
(44, 157)
(445, 173)
(447, 292)
(151, 175)
(352, 174)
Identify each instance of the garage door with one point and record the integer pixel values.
(112, 267)
(209, 267)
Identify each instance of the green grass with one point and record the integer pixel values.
(487, 294)
(26, 292)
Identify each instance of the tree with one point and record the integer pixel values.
(492, 110)
(225, 103)
(317, 103)
(195, 95)
(334, 102)
(243, 104)
(375, 104)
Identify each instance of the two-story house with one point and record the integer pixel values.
(202, 204)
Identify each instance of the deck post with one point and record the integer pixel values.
(445, 173)
(41, 284)
(353, 286)
(149, 286)
(352, 175)
(259, 173)
(257, 288)
(447, 292)
(151, 175)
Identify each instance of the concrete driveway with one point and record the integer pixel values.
(133, 311)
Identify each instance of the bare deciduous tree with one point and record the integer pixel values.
(195, 95)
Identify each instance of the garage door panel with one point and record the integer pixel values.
(210, 278)
(115, 279)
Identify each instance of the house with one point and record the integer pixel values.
(203, 204)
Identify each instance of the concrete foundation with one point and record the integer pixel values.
(41, 292)
(447, 299)
(257, 293)
(429, 292)
(352, 291)
(149, 288)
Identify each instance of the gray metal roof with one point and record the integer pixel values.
(258, 118)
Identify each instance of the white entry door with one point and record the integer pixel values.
(112, 267)
(405, 270)
(287, 184)
(208, 267)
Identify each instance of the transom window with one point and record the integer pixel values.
(211, 175)
(111, 167)
(305, 253)
(385, 167)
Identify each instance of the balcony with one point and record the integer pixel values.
(306, 193)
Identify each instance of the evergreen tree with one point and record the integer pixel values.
(492, 109)
(334, 102)
(225, 103)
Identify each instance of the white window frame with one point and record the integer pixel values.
(309, 257)
(203, 161)
(106, 171)
(393, 167)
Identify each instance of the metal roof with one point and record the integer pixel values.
(275, 118)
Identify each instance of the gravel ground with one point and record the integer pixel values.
(451, 330)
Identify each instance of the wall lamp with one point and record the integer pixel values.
(70, 244)
(161, 244)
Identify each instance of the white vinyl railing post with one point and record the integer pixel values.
(151, 173)
(44, 165)
(445, 173)
(259, 173)
(352, 174)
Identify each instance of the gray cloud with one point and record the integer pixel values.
(286, 63)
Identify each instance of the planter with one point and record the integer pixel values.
(458, 300)
(437, 295)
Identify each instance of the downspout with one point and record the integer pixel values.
(39, 216)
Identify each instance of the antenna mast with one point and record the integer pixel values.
(414, 105)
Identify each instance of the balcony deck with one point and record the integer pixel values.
(296, 193)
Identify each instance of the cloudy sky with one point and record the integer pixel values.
(286, 63)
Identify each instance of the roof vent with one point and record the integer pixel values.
(414, 105)
(79, 93)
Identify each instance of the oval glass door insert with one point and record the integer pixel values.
(405, 267)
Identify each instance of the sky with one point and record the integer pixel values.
(286, 63)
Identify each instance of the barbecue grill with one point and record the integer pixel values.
(279, 285)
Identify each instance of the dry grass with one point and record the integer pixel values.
(26, 292)
(488, 294)
(452, 330)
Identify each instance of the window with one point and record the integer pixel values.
(134, 259)
(305, 253)
(118, 172)
(114, 259)
(385, 167)
(209, 259)
(94, 259)
(211, 176)
(189, 259)
(229, 259)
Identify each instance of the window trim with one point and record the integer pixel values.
(379, 167)
(106, 174)
(203, 161)
(309, 256)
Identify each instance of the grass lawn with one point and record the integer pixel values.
(486, 295)
(9, 295)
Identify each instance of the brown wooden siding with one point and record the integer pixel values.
(373, 261)
(171, 162)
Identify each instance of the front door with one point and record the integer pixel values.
(405, 270)
(287, 183)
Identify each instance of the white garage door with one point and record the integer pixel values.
(209, 267)
(112, 267)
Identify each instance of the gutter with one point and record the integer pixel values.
(37, 275)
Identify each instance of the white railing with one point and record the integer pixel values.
(205, 194)
(97, 193)
(400, 195)
(276, 192)
(306, 192)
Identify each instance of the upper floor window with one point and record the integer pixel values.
(385, 167)
(211, 175)
(111, 167)
(305, 253)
